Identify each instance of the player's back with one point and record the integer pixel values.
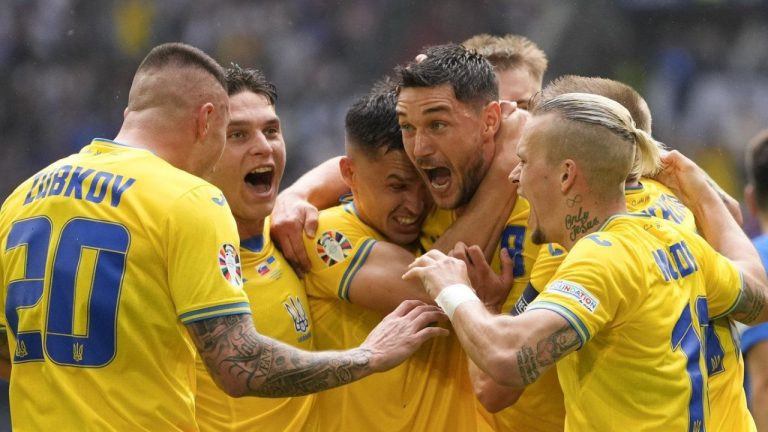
(100, 272)
(638, 292)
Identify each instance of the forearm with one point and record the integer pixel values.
(243, 362)
(483, 219)
(493, 396)
(321, 186)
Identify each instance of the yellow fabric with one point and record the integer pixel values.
(624, 291)
(140, 248)
(430, 391)
(281, 311)
(728, 401)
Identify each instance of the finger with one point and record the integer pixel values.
(422, 261)
(476, 254)
(310, 222)
(507, 266)
(460, 252)
(413, 273)
(425, 314)
(300, 253)
(405, 307)
(430, 332)
(507, 107)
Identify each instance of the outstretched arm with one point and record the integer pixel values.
(513, 351)
(689, 182)
(244, 362)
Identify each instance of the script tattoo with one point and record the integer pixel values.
(579, 223)
(751, 303)
(548, 351)
(230, 346)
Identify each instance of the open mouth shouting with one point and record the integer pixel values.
(260, 180)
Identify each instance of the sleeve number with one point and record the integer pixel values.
(92, 298)
(685, 338)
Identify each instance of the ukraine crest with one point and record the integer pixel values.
(229, 263)
(333, 247)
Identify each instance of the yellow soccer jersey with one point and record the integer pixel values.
(105, 256)
(430, 391)
(281, 311)
(725, 365)
(540, 408)
(639, 293)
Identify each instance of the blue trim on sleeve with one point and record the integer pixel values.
(736, 302)
(569, 316)
(215, 311)
(359, 259)
(753, 335)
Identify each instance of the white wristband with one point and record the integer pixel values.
(452, 296)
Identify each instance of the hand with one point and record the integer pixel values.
(291, 217)
(436, 271)
(686, 179)
(492, 289)
(402, 332)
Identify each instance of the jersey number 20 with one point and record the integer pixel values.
(93, 296)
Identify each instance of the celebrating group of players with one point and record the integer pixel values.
(139, 296)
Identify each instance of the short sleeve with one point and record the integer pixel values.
(549, 259)
(204, 272)
(724, 281)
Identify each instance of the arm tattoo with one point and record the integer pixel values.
(751, 303)
(548, 351)
(232, 349)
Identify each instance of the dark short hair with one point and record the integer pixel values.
(757, 168)
(372, 123)
(241, 79)
(470, 74)
(182, 55)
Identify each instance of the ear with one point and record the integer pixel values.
(347, 168)
(751, 200)
(491, 118)
(567, 172)
(204, 118)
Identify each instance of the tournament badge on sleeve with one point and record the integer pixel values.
(333, 247)
(229, 263)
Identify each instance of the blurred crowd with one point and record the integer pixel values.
(67, 64)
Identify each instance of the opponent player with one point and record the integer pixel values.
(755, 339)
(109, 257)
(629, 296)
(362, 248)
(249, 174)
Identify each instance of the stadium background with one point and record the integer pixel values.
(66, 65)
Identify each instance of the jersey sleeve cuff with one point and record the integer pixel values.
(215, 311)
(357, 262)
(735, 302)
(576, 323)
(753, 335)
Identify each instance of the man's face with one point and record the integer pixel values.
(253, 161)
(389, 194)
(536, 180)
(447, 141)
(517, 85)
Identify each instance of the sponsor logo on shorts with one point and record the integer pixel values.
(576, 291)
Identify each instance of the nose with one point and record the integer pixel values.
(422, 147)
(413, 200)
(514, 176)
(259, 145)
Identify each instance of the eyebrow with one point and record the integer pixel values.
(432, 110)
(241, 123)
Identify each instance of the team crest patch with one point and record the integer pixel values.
(296, 310)
(576, 291)
(229, 263)
(333, 247)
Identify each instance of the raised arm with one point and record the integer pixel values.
(296, 208)
(246, 363)
(689, 182)
(512, 351)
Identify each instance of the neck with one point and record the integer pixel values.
(248, 229)
(585, 215)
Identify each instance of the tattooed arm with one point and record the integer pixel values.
(721, 230)
(244, 362)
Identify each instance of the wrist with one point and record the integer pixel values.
(453, 296)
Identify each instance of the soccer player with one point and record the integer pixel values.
(755, 340)
(249, 174)
(117, 262)
(362, 248)
(519, 64)
(632, 293)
